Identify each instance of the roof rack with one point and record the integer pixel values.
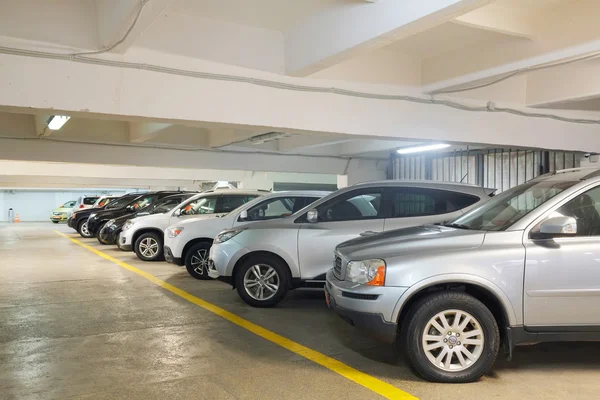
(562, 171)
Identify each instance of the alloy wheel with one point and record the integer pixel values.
(84, 229)
(149, 247)
(199, 261)
(261, 282)
(453, 340)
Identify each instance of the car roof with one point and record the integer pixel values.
(572, 174)
(454, 186)
(318, 193)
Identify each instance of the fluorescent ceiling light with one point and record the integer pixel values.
(419, 149)
(57, 121)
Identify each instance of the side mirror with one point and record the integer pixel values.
(244, 215)
(177, 213)
(312, 216)
(559, 226)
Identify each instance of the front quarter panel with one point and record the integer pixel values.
(496, 265)
(281, 241)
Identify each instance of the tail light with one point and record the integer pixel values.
(81, 206)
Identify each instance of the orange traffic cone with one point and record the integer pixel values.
(17, 219)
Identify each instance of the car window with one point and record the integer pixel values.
(119, 202)
(141, 202)
(202, 205)
(417, 202)
(231, 202)
(275, 208)
(352, 206)
(504, 210)
(584, 208)
(88, 201)
(69, 204)
(164, 205)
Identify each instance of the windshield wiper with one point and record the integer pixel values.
(457, 226)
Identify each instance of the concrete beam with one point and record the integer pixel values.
(570, 83)
(114, 17)
(497, 19)
(78, 88)
(467, 67)
(362, 146)
(336, 33)
(140, 132)
(304, 142)
(87, 153)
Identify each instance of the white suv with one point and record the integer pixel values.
(144, 235)
(188, 242)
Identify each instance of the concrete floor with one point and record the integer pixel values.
(74, 325)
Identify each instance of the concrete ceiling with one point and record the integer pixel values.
(277, 15)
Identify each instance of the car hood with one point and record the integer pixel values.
(62, 210)
(193, 220)
(279, 223)
(420, 239)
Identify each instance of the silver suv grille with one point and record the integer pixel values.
(337, 267)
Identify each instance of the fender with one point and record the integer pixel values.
(514, 318)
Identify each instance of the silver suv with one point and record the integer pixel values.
(266, 259)
(522, 268)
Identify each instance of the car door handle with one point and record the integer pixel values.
(368, 233)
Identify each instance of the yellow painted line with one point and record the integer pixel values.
(366, 380)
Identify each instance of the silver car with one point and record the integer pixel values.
(522, 268)
(264, 260)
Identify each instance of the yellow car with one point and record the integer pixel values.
(62, 213)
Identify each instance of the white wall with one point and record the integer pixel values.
(36, 205)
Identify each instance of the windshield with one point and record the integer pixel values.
(163, 206)
(507, 208)
(119, 203)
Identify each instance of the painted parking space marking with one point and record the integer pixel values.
(376, 385)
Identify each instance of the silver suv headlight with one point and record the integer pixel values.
(226, 235)
(369, 272)
(128, 224)
(174, 232)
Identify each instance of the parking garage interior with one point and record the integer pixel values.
(306, 99)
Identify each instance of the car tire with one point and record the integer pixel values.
(149, 247)
(83, 231)
(424, 343)
(196, 260)
(268, 275)
(100, 240)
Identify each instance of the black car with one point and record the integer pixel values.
(110, 231)
(97, 219)
(78, 220)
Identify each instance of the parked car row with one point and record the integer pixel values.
(64, 212)
(452, 272)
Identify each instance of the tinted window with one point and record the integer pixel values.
(584, 208)
(120, 202)
(141, 202)
(164, 205)
(275, 208)
(417, 202)
(203, 205)
(88, 201)
(356, 205)
(231, 202)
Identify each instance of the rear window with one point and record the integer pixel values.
(88, 201)
(417, 202)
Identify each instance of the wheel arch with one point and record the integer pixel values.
(193, 242)
(260, 253)
(140, 232)
(486, 292)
